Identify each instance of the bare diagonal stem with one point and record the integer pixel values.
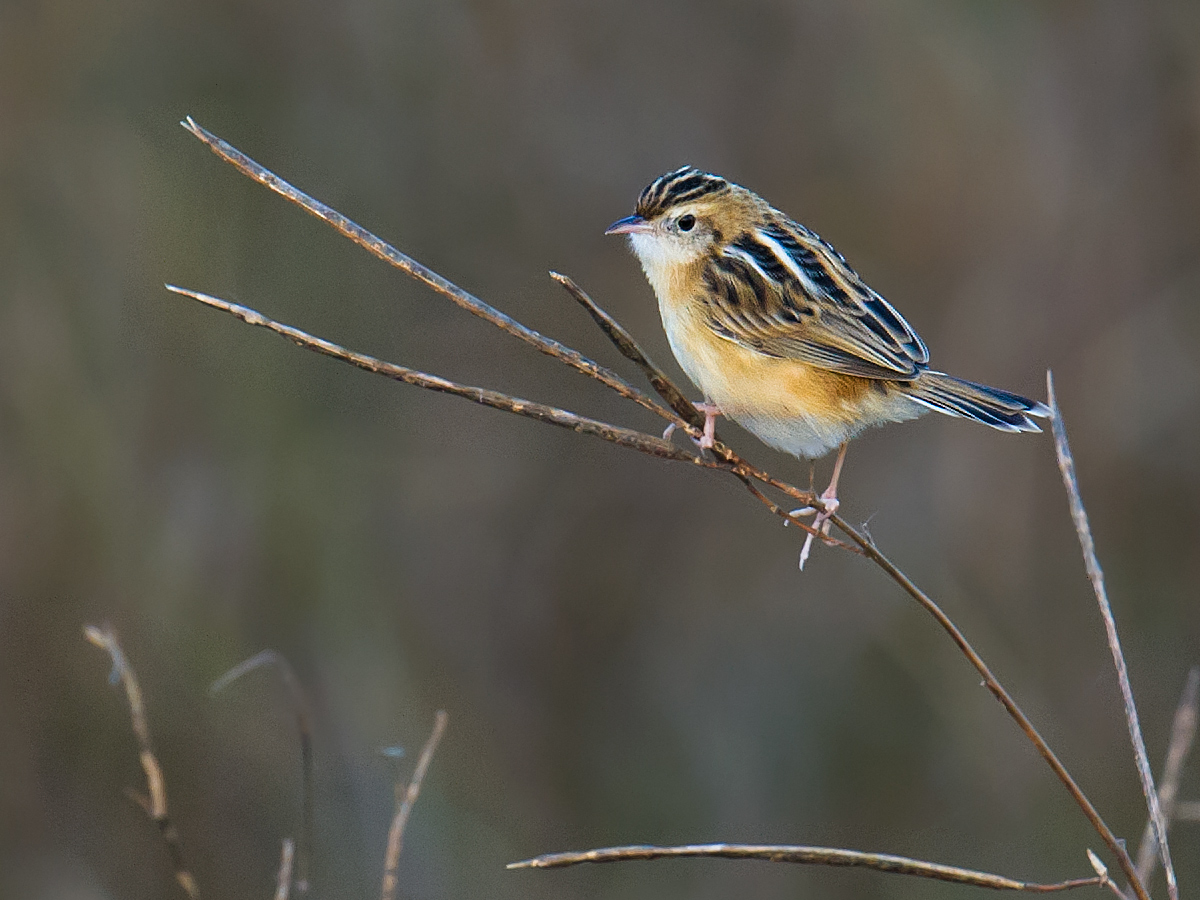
(675, 398)
(629, 348)
(389, 254)
(1066, 465)
(998, 691)
(626, 437)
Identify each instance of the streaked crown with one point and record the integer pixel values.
(683, 185)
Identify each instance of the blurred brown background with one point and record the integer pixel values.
(624, 645)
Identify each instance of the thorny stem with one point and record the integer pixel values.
(624, 437)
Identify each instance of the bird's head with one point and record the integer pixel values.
(682, 215)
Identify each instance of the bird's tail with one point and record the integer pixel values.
(989, 405)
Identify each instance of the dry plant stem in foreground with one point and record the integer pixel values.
(155, 803)
(302, 850)
(725, 460)
(1066, 465)
(823, 856)
(1183, 735)
(405, 799)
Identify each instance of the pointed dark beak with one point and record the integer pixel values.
(629, 225)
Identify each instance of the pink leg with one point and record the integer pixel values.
(829, 500)
(708, 438)
(711, 411)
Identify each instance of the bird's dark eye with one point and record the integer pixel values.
(687, 223)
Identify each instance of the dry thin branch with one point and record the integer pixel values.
(155, 803)
(625, 437)
(1183, 735)
(821, 856)
(1102, 871)
(629, 348)
(283, 882)
(622, 437)
(675, 398)
(303, 715)
(998, 691)
(405, 799)
(1066, 465)
(411, 267)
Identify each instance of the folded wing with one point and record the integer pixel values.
(782, 291)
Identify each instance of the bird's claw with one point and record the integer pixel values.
(829, 506)
(708, 437)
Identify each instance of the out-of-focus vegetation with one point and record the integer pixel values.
(626, 648)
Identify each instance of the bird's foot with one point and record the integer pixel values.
(821, 524)
(829, 505)
(708, 437)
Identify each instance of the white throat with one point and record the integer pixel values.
(662, 255)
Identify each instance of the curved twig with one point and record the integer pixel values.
(155, 801)
(629, 348)
(405, 800)
(820, 856)
(303, 850)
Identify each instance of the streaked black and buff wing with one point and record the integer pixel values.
(782, 291)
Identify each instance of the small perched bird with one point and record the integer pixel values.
(780, 334)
